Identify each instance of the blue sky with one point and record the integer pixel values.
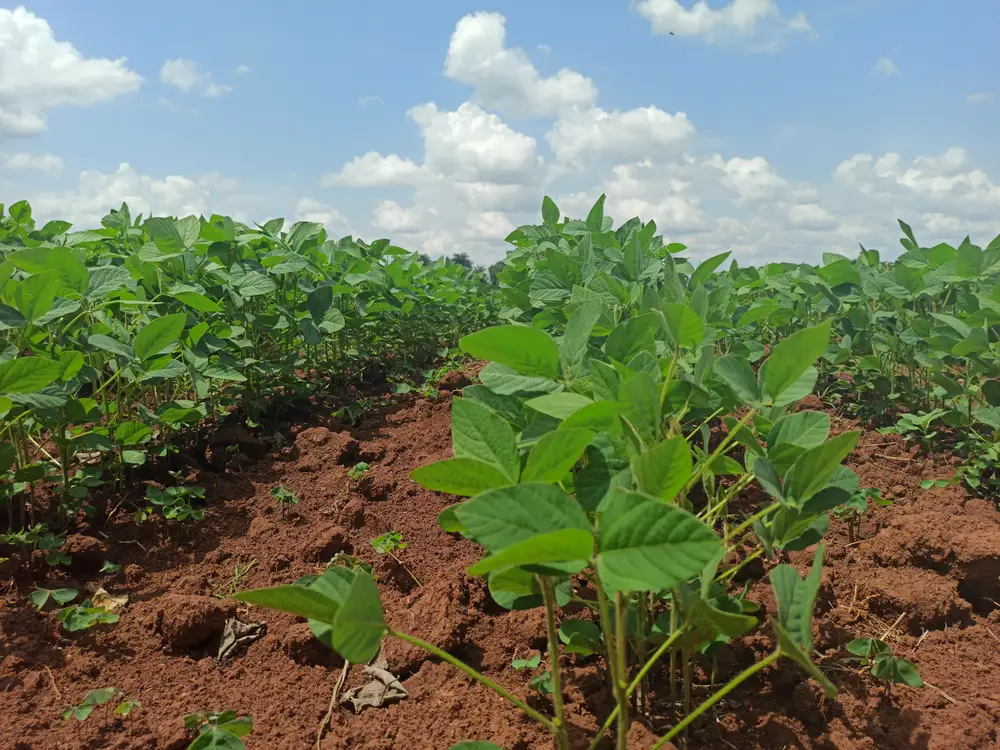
(777, 130)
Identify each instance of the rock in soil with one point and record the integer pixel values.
(326, 543)
(185, 621)
(87, 552)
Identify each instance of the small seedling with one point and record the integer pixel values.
(358, 470)
(540, 683)
(218, 730)
(40, 597)
(175, 502)
(110, 567)
(126, 707)
(284, 497)
(856, 508)
(92, 700)
(928, 484)
(236, 581)
(884, 666)
(390, 543)
(85, 616)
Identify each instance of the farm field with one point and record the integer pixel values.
(601, 495)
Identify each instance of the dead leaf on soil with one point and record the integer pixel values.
(237, 635)
(382, 689)
(104, 600)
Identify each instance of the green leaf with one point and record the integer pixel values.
(735, 372)
(632, 336)
(595, 219)
(460, 476)
(813, 469)
(217, 739)
(298, 600)
(664, 469)
(255, 284)
(559, 405)
(555, 454)
(479, 432)
(683, 324)
(792, 357)
(165, 235)
(581, 637)
(640, 405)
(360, 625)
(28, 374)
(108, 344)
(600, 416)
(319, 301)
(503, 517)
(528, 351)
(504, 381)
(550, 211)
(796, 597)
(575, 342)
(34, 296)
(805, 429)
(790, 649)
(646, 545)
(197, 301)
(160, 334)
(562, 546)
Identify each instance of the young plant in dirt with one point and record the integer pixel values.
(99, 697)
(178, 503)
(358, 470)
(877, 655)
(577, 464)
(85, 616)
(241, 570)
(284, 497)
(389, 544)
(40, 597)
(540, 683)
(223, 729)
(853, 511)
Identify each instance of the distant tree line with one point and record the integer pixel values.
(464, 260)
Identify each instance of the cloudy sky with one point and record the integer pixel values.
(774, 130)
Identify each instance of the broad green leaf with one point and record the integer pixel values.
(559, 405)
(528, 351)
(796, 597)
(646, 545)
(550, 211)
(555, 454)
(600, 416)
(805, 429)
(480, 433)
(359, 625)
(664, 469)
(632, 336)
(704, 271)
(34, 296)
(595, 219)
(505, 381)
(735, 372)
(792, 357)
(813, 469)
(683, 324)
(640, 405)
(792, 650)
(297, 600)
(502, 517)
(217, 739)
(574, 344)
(255, 284)
(160, 334)
(28, 374)
(197, 301)
(319, 301)
(460, 476)
(165, 235)
(562, 546)
(581, 637)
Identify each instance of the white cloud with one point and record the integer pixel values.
(810, 216)
(645, 131)
(47, 163)
(241, 70)
(471, 144)
(981, 97)
(885, 68)
(504, 78)
(188, 76)
(494, 225)
(375, 170)
(392, 217)
(39, 73)
(739, 19)
(310, 209)
(364, 101)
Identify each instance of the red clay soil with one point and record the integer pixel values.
(924, 578)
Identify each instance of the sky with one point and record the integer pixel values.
(775, 130)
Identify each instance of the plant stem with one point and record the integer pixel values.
(621, 637)
(748, 523)
(716, 697)
(548, 597)
(480, 678)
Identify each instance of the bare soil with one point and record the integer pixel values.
(925, 576)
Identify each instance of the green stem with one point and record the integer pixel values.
(716, 697)
(723, 446)
(748, 523)
(548, 597)
(621, 636)
(481, 679)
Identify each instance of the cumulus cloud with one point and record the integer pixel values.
(595, 133)
(39, 73)
(981, 97)
(47, 163)
(504, 78)
(739, 19)
(375, 170)
(310, 209)
(188, 76)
